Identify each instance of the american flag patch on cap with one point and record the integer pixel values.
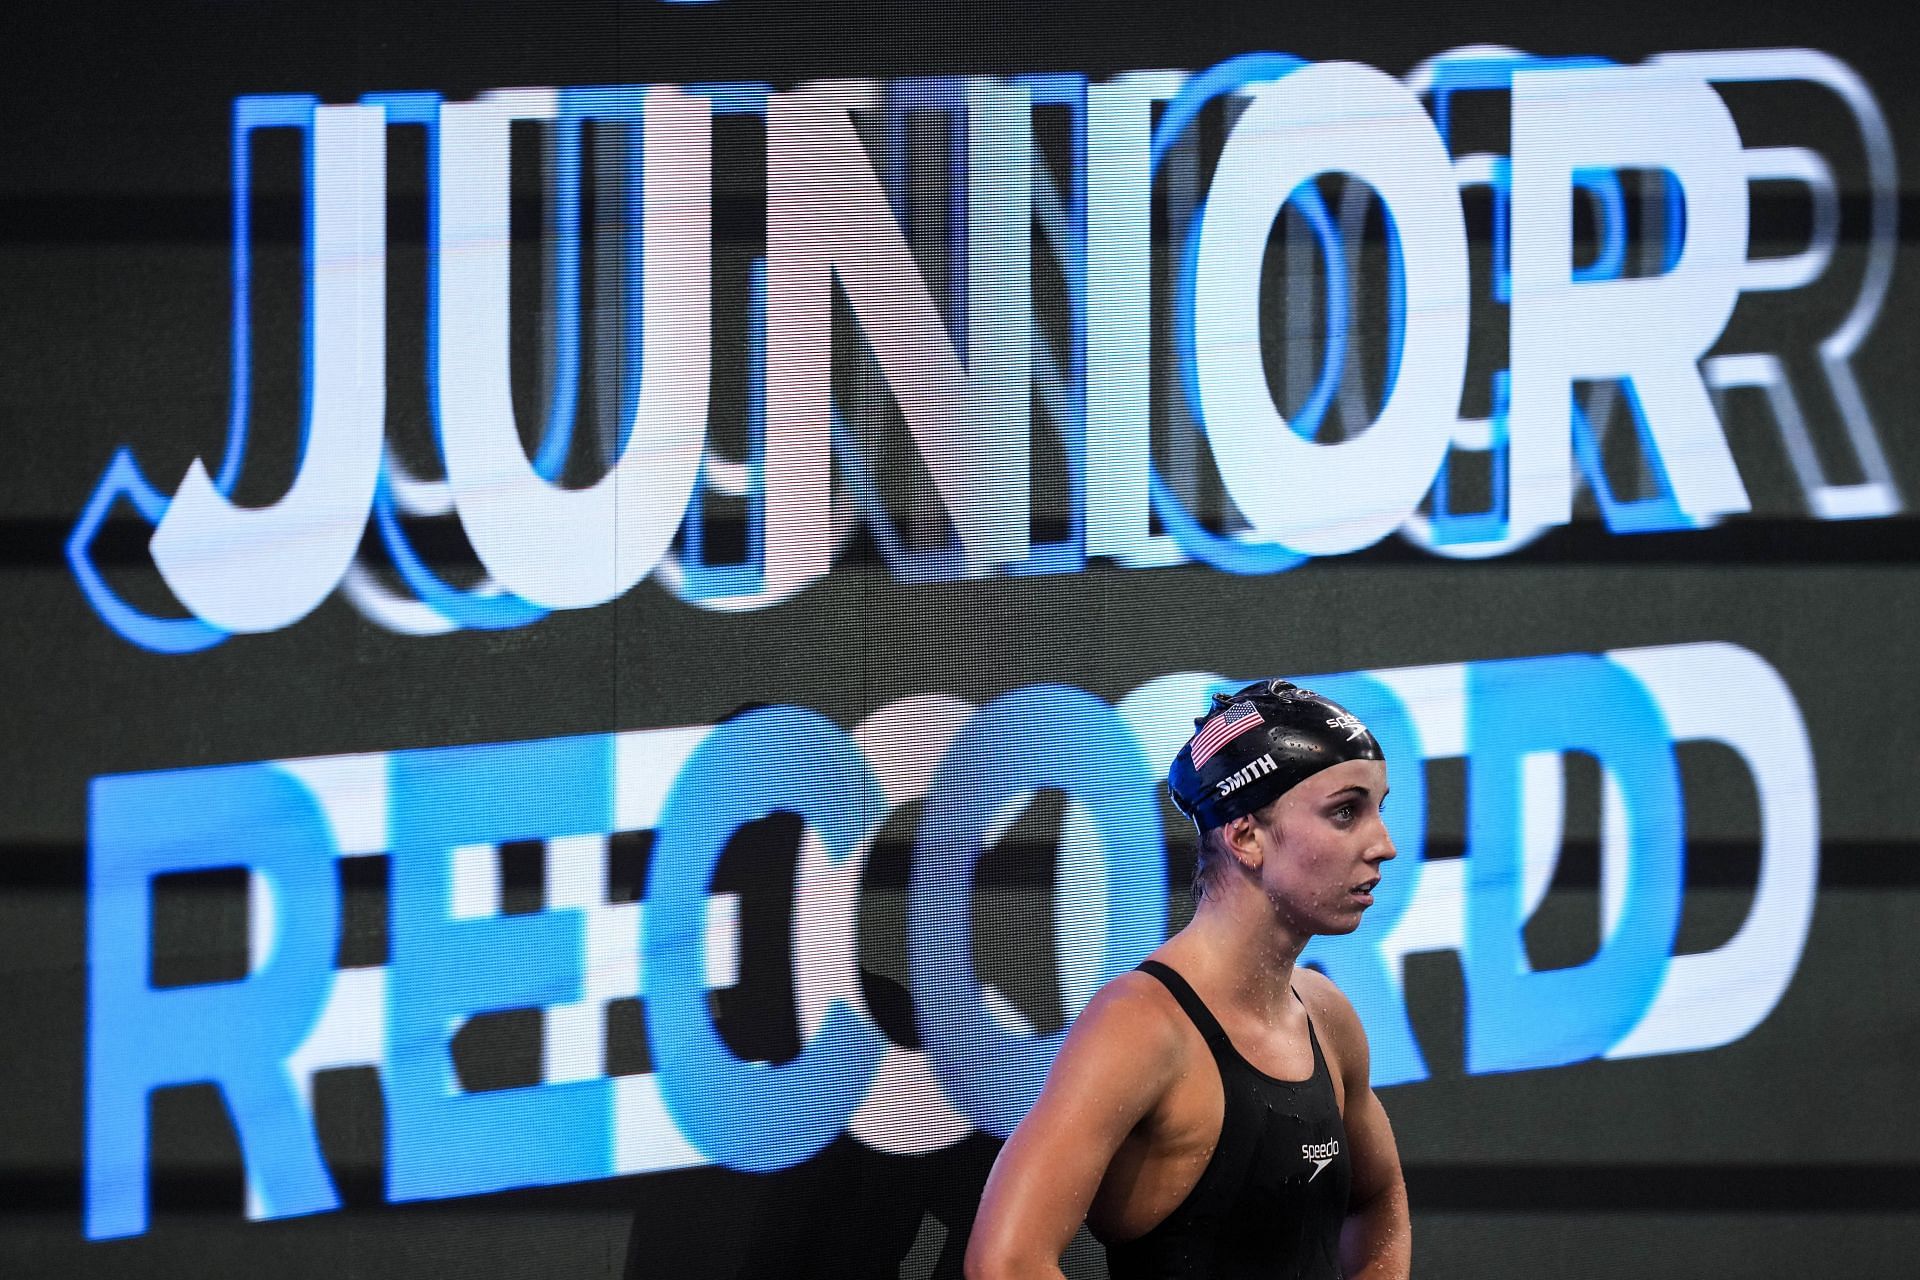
(1222, 729)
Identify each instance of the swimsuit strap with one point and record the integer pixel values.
(1210, 1028)
(1319, 1059)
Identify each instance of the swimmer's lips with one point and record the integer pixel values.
(1363, 892)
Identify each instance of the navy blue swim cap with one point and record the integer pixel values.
(1254, 746)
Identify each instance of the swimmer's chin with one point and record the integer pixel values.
(1351, 913)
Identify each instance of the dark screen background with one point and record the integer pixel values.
(1789, 1152)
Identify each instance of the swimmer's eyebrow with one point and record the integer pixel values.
(1355, 788)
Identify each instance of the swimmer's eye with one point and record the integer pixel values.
(1344, 813)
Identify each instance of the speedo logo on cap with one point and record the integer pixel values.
(1348, 722)
(1259, 767)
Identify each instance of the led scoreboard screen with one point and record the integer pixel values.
(601, 595)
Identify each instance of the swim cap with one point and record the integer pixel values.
(1254, 746)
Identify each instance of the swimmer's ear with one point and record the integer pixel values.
(1242, 841)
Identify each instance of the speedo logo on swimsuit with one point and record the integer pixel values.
(1321, 1154)
(1259, 768)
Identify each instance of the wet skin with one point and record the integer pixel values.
(1132, 1110)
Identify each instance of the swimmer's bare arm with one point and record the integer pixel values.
(1117, 1063)
(1377, 1241)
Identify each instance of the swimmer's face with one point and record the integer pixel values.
(1323, 844)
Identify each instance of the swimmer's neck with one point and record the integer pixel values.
(1238, 948)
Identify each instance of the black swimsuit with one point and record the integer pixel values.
(1271, 1201)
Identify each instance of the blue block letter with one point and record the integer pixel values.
(1518, 1018)
(237, 1035)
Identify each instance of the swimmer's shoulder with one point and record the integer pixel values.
(1138, 1014)
(1122, 1058)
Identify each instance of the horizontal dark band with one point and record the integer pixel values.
(1782, 541)
(1664, 1188)
(1711, 864)
(1432, 1188)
